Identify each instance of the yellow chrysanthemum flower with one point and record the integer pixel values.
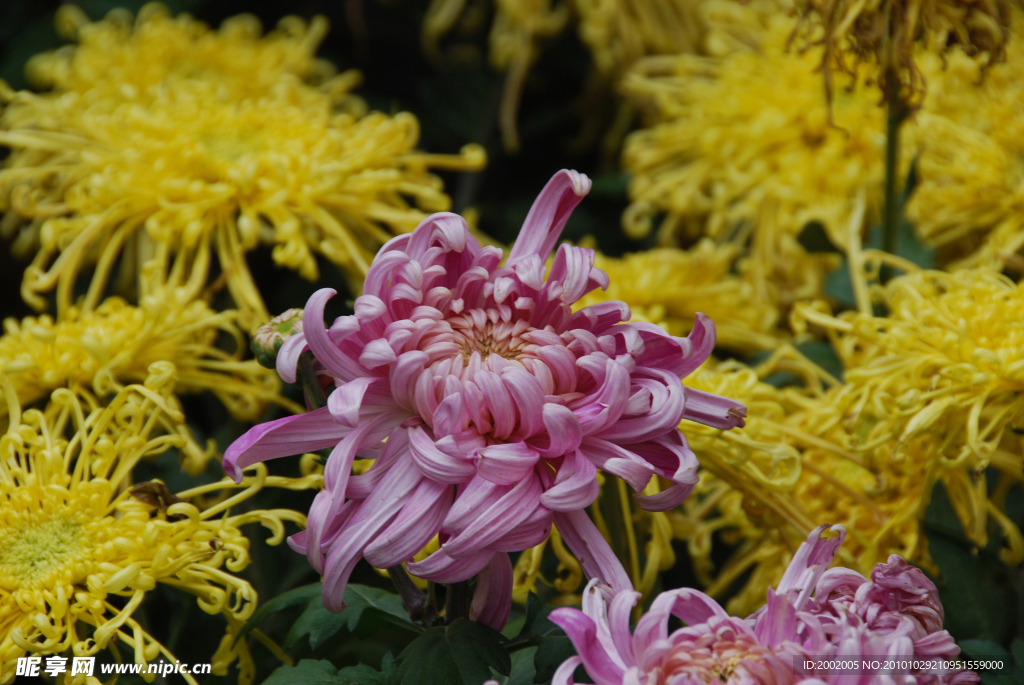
(742, 147)
(668, 286)
(941, 379)
(102, 349)
(209, 161)
(969, 201)
(932, 392)
(80, 545)
(764, 487)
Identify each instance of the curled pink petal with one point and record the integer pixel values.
(702, 341)
(507, 463)
(492, 597)
(562, 434)
(365, 524)
(413, 528)
(809, 562)
(548, 215)
(563, 674)
(395, 450)
(289, 436)
(582, 630)
(298, 542)
(534, 530)
(441, 568)
(575, 487)
(619, 461)
(288, 357)
(508, 512)
(322, 344)
(345, 402)
(435, 464)
(593, 552)
(377, 353)
(714, 410)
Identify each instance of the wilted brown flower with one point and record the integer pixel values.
(884, 33)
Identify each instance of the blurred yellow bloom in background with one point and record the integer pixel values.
(619, 32)
(176, 49)
(668, 286)
(179, 164)
(81, 545)
(741, 146)
(969, 201)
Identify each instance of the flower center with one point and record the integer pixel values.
(475, 332)
(721, 657)
(32, 553)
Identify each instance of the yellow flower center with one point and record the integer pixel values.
(34, 552)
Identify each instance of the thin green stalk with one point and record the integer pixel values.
(413, 598)
(456, 603)
(896, 114)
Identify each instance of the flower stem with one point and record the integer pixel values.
(311, 390)
(414, 599)
(897, 112)
(456, 603)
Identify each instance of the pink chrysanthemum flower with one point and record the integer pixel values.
(895, 616)
(488, 405)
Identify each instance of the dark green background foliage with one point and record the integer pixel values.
(373, 642)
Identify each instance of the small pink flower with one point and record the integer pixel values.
(834, 615)
(488, 405)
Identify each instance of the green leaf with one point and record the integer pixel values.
(428, 661)
(523, 671)
(813, 238)
(821, 353)
(362, 674)
(299, 595)
(323, 672)
(321, 624)
(359, 598)
(551, 653)
(986, 650)
(463, 652)
(838, 286)
(307, 671)
(478, 648)
(553, 647)
(534, 610)
(912, 249)
(973, 585)
(1018, 654)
